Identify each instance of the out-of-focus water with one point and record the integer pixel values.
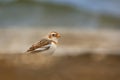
(66, 13)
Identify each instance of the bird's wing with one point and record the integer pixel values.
(44, 44)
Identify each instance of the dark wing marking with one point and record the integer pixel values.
(36, 51)
(40, 44)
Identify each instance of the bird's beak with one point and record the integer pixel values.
(58, 36)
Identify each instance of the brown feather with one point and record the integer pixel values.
(40, 44)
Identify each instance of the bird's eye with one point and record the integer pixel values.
(53, 34)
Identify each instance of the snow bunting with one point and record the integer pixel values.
(47, 45)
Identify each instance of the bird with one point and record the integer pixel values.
(46, 45)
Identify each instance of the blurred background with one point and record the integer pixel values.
(23, 22)
(88, 27)
(64, 13)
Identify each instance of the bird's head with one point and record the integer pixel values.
(54, 35)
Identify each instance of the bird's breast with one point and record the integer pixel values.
(53, 47)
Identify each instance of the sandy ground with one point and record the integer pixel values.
(36, 67)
